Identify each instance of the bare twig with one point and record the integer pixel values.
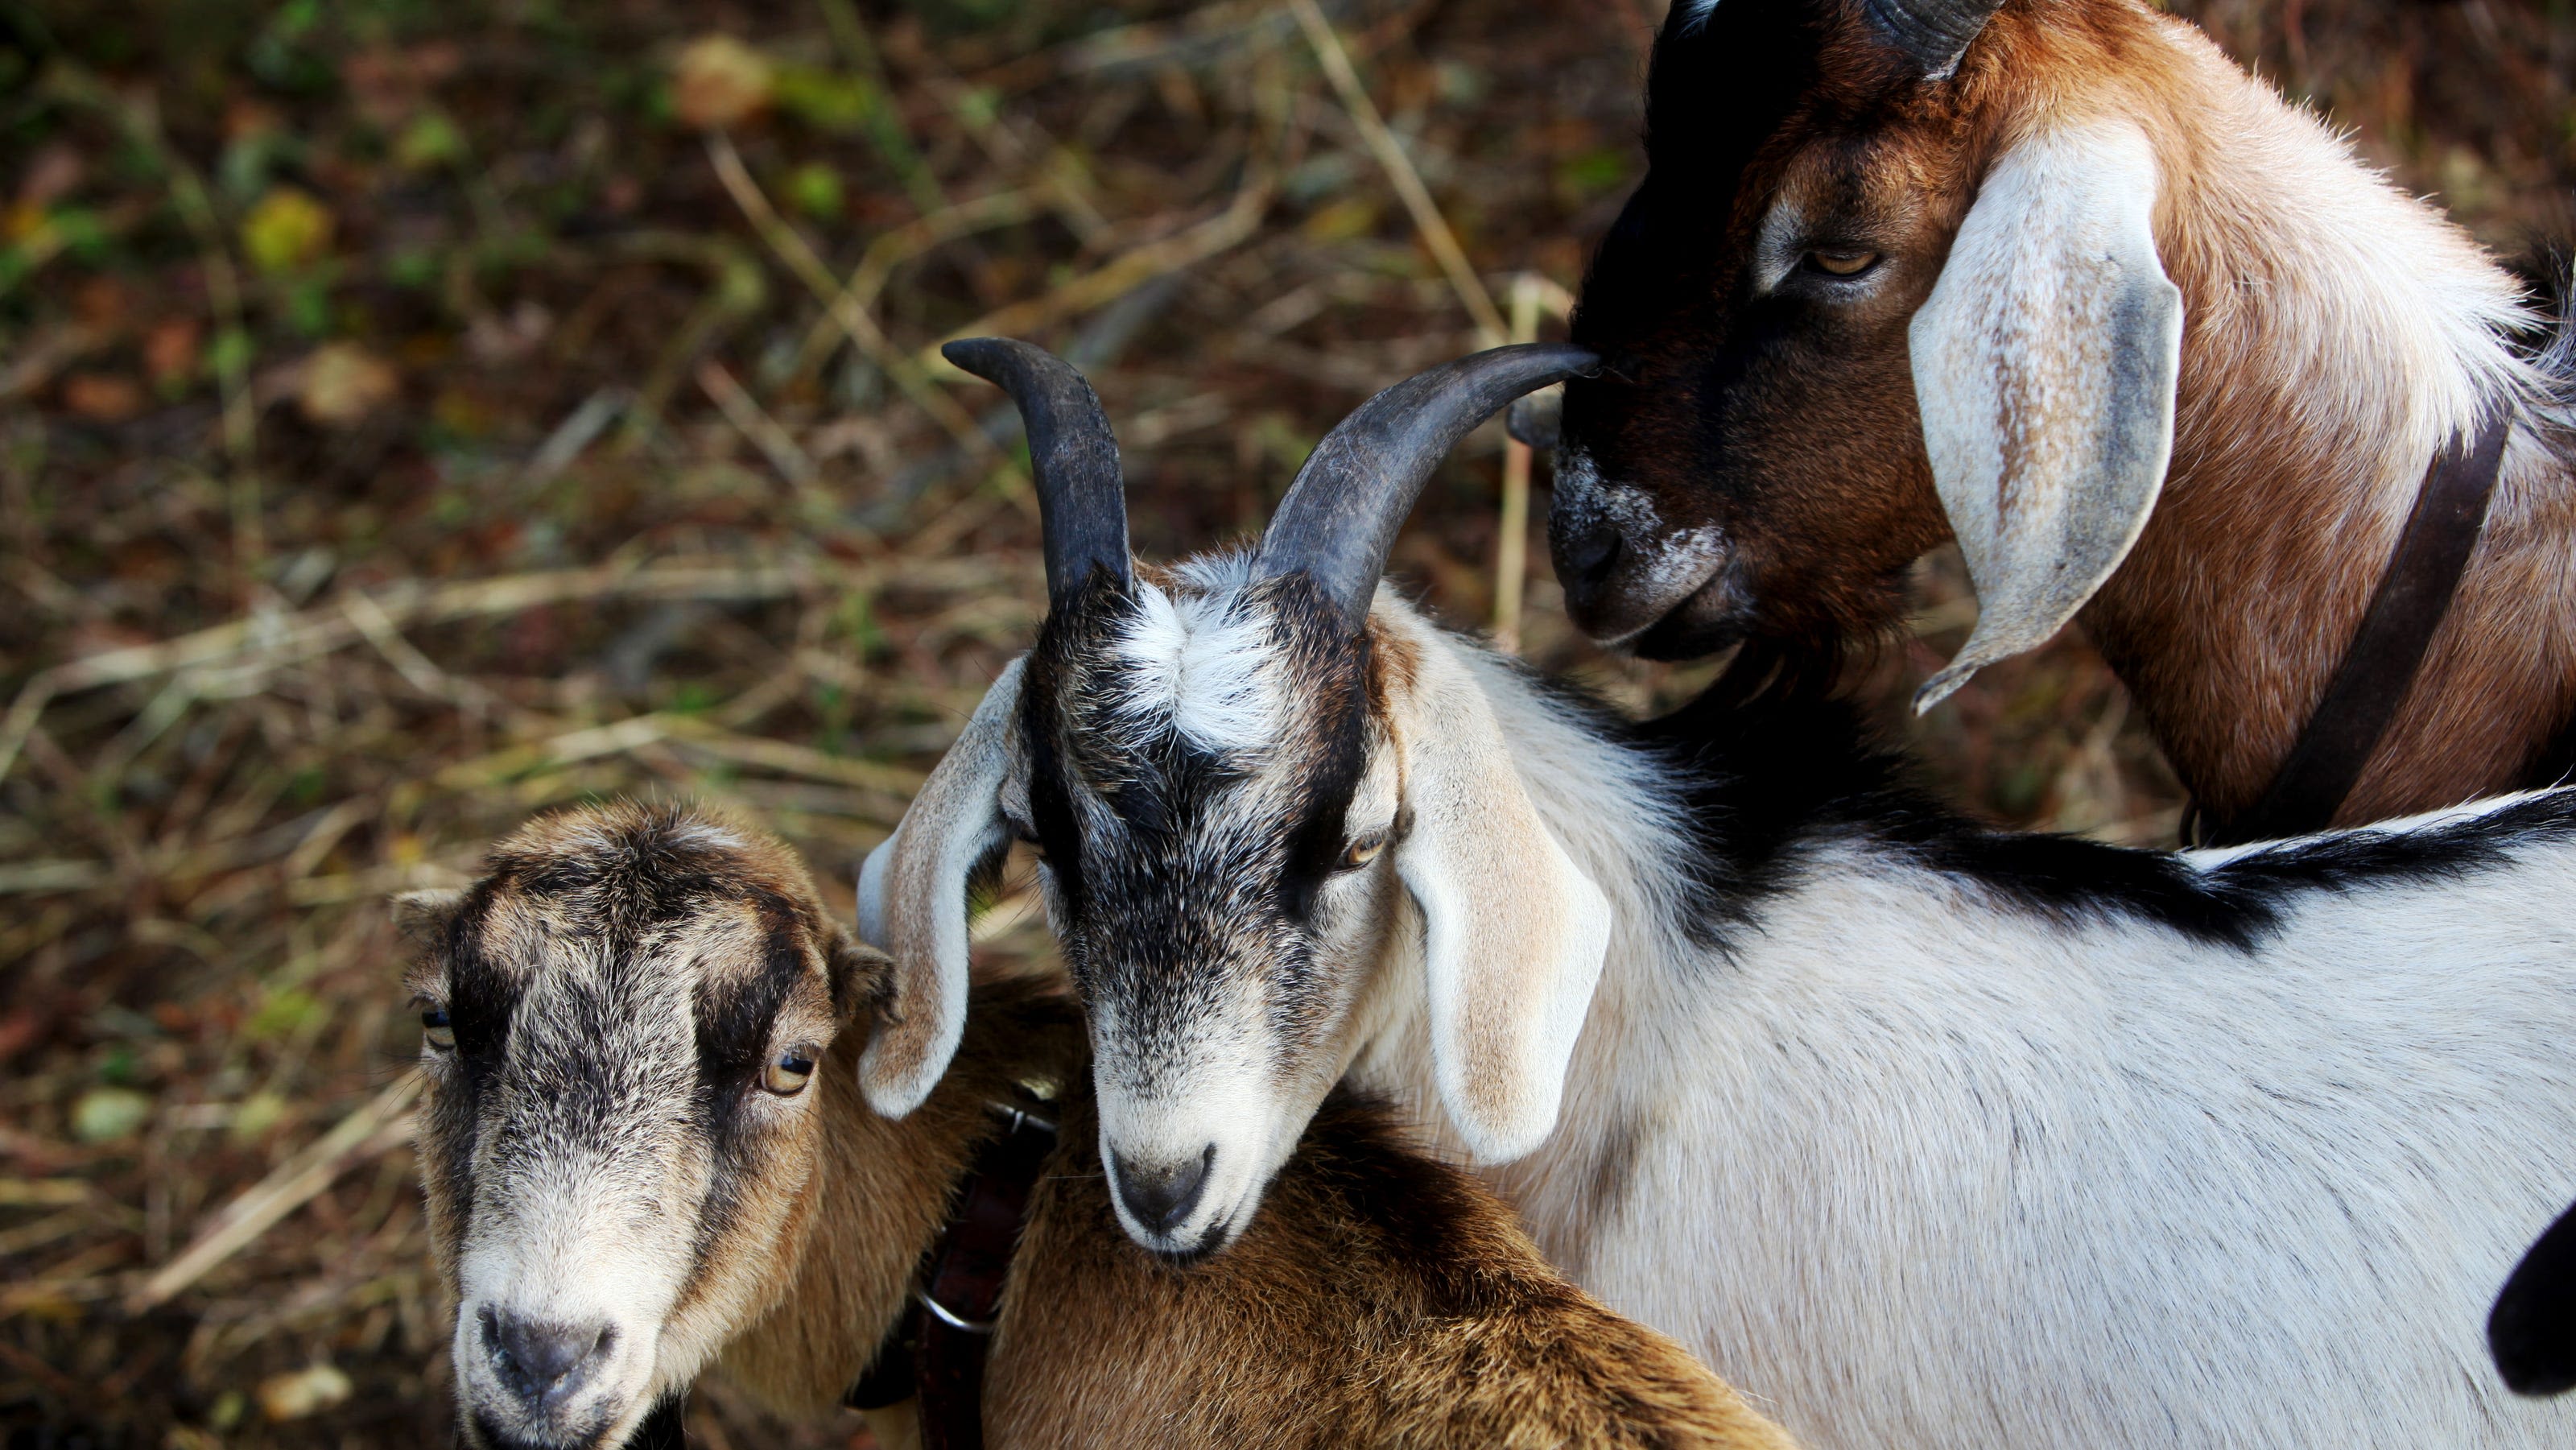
(1400, 173)
(754, 423)
(1226, 230)
(791, 248)
(381, 1125)
(1511, 552)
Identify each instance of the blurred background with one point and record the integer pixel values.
(414, 416)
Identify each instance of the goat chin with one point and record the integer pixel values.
(1929, 1135)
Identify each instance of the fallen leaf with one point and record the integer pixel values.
(343, 383)
(51, 174)
(286, 229)
(170, 350)
(304, 1393)
(18, 1031)
(107, 1114)
(102, 397)
(719, 81)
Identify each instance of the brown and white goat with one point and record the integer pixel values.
(644, 1153)
(2059, 279)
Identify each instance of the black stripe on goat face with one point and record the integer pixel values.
(607, 1148)
(1199, 751)
(1749, 462)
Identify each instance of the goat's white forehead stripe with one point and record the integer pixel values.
(1204, 663)
(1696, 13)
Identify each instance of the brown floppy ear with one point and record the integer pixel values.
(2045, 362)
(421, 917)
(912, 902)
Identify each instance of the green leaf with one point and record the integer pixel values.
(825, 100)
(108, 1114)
(815, 188)
(283, 1013)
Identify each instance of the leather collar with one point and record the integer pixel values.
(936, 1352)
(2361, 700)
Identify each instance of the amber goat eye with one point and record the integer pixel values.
(788, 1073)
(440, 1032)
(1363, 849)
(1842, 263)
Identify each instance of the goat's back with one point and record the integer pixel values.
(1378, 1299)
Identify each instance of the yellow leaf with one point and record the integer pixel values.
(286, 229)
(343, 383)
(720, 81)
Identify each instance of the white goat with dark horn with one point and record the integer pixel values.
(1927, 1134)
(644, 1154)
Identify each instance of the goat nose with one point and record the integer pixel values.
(1162, 1196)
(543, 1363)
(1586, 555)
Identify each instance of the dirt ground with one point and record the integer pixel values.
(417, 416)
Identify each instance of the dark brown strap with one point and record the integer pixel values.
(2532, 1331)
(2354, 713)
(661, 1429)
(937, 1356)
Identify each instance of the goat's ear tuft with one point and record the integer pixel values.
(421, 917)
(912, 902)
(860, 975)
(1513, 931)
(2045, 362)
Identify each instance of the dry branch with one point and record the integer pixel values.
(383, 1124)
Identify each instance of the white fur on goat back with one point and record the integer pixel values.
(1916, 1156)
(1923, 1134)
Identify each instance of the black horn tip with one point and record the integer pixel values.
(1934, 34)
(1082, 509)
(985, 356)
(1342, 513)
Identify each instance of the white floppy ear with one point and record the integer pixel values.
(1513, 932)
(912, 902)
(2044, 363)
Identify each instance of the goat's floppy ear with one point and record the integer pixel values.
(912, 902)
(2044, 362)
(1513, 932)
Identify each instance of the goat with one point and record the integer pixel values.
(2058, 279)
(1923, 1133)
(642, 1153)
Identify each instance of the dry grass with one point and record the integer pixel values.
(410, 420)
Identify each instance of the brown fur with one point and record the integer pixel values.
(2276, 518)
(1379, 1299)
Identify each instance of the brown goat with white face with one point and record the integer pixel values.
(2060, 280)
(644, 1154)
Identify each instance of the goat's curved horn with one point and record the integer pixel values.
(1935, 33)
(1082, 499)
(1341, 515)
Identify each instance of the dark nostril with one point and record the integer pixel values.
(542, 1362)
(1588, 557)
(1162, 1197)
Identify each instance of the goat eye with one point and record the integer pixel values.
(440, 1032)
(1363, 849)
(788, 1072)
(1837, 262)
